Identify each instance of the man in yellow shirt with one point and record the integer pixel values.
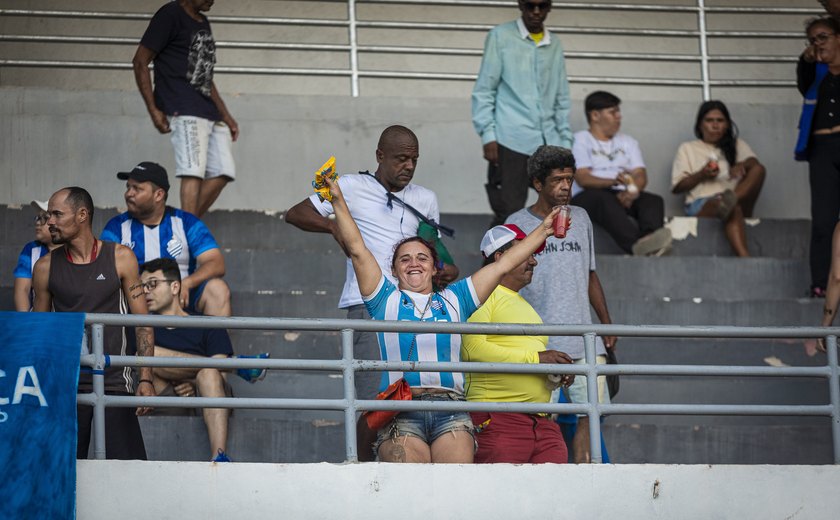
(515, 438)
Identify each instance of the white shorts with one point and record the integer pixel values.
(203, 148)
(577, 391)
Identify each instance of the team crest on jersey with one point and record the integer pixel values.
(129, 244)
(174, 247)
(437, 305)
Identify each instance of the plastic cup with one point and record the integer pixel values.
(562, 222)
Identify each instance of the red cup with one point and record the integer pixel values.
(562, 222)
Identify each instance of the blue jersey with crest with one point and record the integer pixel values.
(180, 235)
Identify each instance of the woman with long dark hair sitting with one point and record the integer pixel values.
(719, 173)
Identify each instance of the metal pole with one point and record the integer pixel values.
(592, 397)
(98, 391)
(354, 49)
(349, 395)
(834, 392)
(704, 49)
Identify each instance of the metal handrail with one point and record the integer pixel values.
(349, 366)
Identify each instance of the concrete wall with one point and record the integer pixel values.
(54, 138)
(132, 489)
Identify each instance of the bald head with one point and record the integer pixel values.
(396, 134)
(397, 154)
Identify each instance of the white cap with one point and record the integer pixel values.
(39, 205)
(495, 238)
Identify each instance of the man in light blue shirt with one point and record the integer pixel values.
(520, 101)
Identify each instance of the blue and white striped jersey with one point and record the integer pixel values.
(456, 303)
(30, 254)
(180, 235)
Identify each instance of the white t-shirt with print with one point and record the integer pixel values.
(606, 158)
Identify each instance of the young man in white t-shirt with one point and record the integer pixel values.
(610, 181)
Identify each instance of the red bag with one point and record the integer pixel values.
(398, 391)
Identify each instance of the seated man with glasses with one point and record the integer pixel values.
(30, 254)
(161, 282)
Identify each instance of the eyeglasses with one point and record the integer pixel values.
(152, 283)
(820, 38)
(40, 220)
(540, 6)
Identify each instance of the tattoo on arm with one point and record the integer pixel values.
(827, 311)
(145, 341)
(135, 291)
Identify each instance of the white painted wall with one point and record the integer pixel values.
(178, 490)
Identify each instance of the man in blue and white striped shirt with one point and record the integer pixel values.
(154, 230)
(30, 254)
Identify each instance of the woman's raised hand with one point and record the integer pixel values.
(335, 191)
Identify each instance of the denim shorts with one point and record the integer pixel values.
(427, 426)
(694, 207)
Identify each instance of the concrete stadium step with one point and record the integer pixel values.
(719, 390)
(719, 278)
(321, 273)
(777, 238)
(661, 310)
(249, 440)
(757, 313)
(701, 443)
(283, 441)
(780, 238)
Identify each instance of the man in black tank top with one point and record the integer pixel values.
(89, 275)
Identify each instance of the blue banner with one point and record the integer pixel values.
(39, 373)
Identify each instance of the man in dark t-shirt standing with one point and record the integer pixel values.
(161, 281)
(89, 275)
(185, 101)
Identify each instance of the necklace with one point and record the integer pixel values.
(611, 154)
(93, 251)
(425, 309)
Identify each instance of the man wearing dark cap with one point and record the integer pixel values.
(512, 437)
(154, 230)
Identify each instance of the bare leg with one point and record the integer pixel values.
(190, 192)
(748, 189)
(173, 373)
(211, 384)
(210, 190)
(215, 300)
(736, 232)
(405, 448)
(580, 443)
(454, 447)
(733, 227)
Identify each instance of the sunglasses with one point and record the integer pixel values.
(820, 38)
(40, 220)
(540, 6)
